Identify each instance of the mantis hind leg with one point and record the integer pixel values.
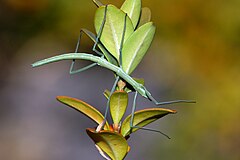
(143, 128)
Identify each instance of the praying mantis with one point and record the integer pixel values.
(123, 43)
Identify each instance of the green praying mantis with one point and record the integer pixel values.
(123, 36)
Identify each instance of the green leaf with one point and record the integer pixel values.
(133, 10)
(142, 118)
(111, 143)
(113, 28)
(145, 16)
(108, 55)
(118, 105)
(84, 108)
(136, 46)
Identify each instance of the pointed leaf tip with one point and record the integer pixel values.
(136, 47)
(133, 10)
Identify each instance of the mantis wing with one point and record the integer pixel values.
(136, 46)
(112, 30)
(133, 10)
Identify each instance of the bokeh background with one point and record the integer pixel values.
(195, 55)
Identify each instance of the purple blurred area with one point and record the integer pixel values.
(195, 55)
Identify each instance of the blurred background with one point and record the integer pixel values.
(195, 55)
